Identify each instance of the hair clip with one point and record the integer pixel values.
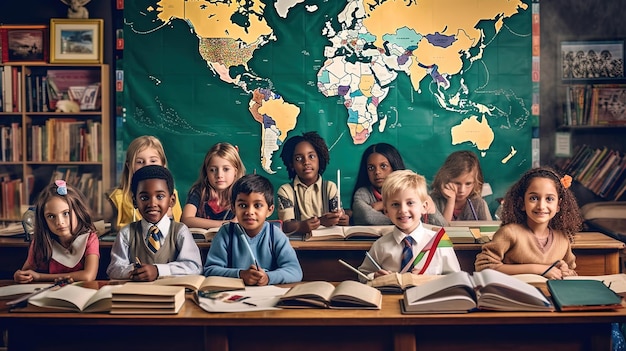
(566, 181)
(61, 187)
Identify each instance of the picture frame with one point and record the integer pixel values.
(76, 40)
(592, 60)
(23, 44)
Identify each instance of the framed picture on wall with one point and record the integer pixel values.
(76, 40)
(592, 60)
(24, 43)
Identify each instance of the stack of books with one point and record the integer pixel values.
(146, 298)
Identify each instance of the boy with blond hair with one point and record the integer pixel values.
(410, 247)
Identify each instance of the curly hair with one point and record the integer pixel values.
(43, 236)
(455, 165)
(567, 219)
(318, 144)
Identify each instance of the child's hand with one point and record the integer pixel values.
(344, 218)
(252, 276)
(565, 270)
(449, 191)
(309, 224)
(381, 273)
(23, 277)
(145, 273)
(330, 219)
(378, 206)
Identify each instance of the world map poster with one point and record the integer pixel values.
(429, 77)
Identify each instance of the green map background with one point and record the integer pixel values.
(170, 92)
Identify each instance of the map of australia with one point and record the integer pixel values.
(362, 68)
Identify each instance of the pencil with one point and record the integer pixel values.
(367, 254)
(551, 266)
(354, 269)
(245, 241)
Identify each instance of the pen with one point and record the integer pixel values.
(137, 263)
(551, 266)
(367, 254)
(249, 303)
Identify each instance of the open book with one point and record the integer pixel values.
(72, 298)
(139, 298)
(202, 283)
(398, 282)
(365, 232)
(486, 290)
(347, 295)
(203, 234)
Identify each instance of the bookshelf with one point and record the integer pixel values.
(38, 144)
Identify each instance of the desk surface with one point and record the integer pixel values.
(315, 329)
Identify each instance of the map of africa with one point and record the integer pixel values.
(428, 76)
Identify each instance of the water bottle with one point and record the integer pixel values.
(28, 222)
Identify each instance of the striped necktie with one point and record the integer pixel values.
(154, 243)
(407, 251)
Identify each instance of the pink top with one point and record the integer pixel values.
(64, 261)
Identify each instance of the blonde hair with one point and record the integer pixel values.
(136, 146)
(229, 153)
(402, 180)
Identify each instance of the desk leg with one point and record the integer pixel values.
(404, 340)
(215, 339)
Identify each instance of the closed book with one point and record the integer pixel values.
(141, 298)
(580, 295)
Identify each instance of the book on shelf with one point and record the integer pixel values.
(140, 298)
(583, 295)
(60, 81)
(336, 232)
(461, 292)
(348, 294)
(605, 107)
(201, 283)
(399, 282)
(72, 298)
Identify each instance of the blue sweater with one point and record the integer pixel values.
(283, 267)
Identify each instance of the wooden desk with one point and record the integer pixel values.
(312, 329)
(596, 254)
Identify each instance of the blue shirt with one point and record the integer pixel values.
(281, 254)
